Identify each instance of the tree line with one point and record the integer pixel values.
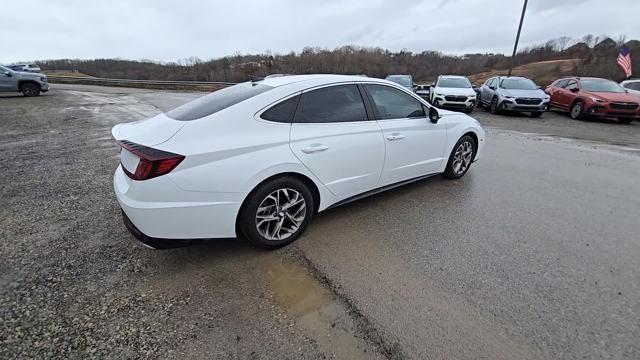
(598, 54)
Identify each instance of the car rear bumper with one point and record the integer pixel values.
(159, 209)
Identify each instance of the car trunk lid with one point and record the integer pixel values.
(148, 132)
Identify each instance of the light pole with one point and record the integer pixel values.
(515, 46)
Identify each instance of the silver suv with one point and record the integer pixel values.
(513, 93)
(29, 84)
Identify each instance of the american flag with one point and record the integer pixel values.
(624, 60)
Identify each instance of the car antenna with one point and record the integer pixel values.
(255, 79)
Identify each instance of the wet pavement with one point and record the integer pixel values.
(533, 254)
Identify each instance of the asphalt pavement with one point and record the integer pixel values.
(533, 254)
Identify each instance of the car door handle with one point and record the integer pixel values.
(395, 137)
(314, 148)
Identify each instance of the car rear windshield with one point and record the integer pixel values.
(454, 83)
(518, 84)
(216, 101)
(601, 86)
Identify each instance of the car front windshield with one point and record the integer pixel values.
(518, 84)
(402, 80)
(601, 86)
(454, 83)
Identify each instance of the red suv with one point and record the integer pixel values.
(586, 96)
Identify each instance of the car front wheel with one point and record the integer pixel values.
(493, 108)
(276, 212)
(30, 89)
(461, 157)
(576, 110)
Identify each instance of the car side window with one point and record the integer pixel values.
(492, 82)
(282, 111)
(562, 83)
(391, 103)
(572, 84)
(338, 103)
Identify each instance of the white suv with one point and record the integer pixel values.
(258, 159)
(453, 92)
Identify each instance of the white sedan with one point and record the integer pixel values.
(259, 159)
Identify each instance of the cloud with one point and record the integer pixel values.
(171, 30)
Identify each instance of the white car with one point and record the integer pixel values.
(632, 86)
(453, 92)
(25, 67)
(259, 159)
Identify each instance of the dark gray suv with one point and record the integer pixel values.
(29, 84)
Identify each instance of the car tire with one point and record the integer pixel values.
(461, 158)
(537, 114)
(276, 225)
(30, 89)
(493, 107)
(576, 110)
(624, 120)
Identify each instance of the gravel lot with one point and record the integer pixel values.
(75, 284)
(533, 254)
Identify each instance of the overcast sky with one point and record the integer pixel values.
(171, 30)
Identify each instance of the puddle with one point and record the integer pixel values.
(315, 309)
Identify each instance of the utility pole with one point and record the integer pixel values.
(515, 46)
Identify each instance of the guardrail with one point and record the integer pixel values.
(148, 84)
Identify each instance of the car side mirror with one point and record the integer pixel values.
(434, 116)
(7, 74)
(574, 90)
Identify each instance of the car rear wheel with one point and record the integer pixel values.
(30, 89)
(276, 212)
(576, 110)
(461, 157)
(493, 108)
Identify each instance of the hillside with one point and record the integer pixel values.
(543, 72)
(595, 57)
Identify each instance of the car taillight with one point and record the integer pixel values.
(152, 163)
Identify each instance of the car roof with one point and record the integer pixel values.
(453, 76)
(317, 79)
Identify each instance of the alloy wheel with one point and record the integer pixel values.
(576, 110)
(462, 157)
(280, 214)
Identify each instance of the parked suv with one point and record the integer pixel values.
(453, 92)
(29, 84)
(402, 80)
(594, 97)
(513, 93)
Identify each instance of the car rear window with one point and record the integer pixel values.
(216, 101)
(338, 103)
(283, 111)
